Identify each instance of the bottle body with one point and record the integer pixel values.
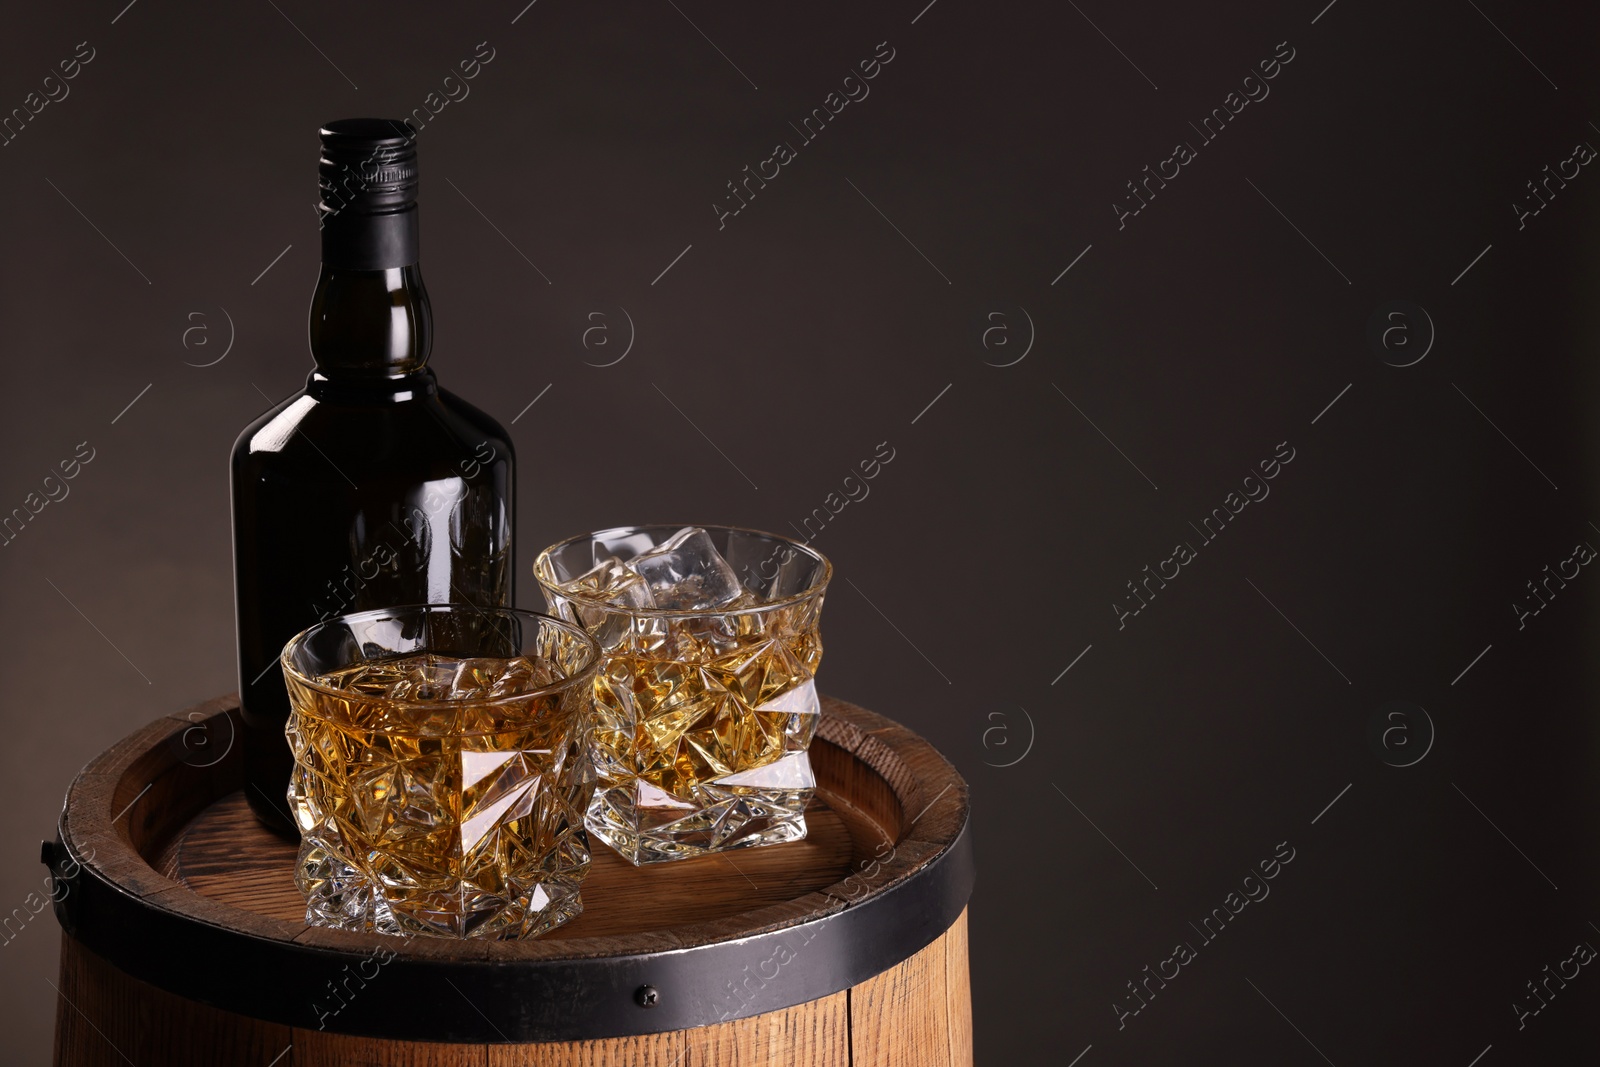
(398, 493)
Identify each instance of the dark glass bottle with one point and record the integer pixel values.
(372, 487)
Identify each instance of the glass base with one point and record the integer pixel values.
(341, 896)
(647, 825)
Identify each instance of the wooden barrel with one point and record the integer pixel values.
(184, 940)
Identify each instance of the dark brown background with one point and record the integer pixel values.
(990, 550)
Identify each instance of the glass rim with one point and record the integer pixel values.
(817, 588)
(573, 680)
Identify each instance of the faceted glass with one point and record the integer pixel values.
(441, 770)
(705, 701)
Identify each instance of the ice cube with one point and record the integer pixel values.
(473, 677)
(687, 573)
(611, 581)
(367, 679)
(520, 675)
(423, 678)
(428, 677)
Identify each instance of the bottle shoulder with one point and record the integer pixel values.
(269, 431)
(476, 417)
(426, 429)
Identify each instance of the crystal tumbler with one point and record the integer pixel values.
(441, 770)
(705, 701)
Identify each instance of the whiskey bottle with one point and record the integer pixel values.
(371, 487)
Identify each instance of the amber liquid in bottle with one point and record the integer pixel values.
(372, 487)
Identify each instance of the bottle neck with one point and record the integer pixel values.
(372, 323)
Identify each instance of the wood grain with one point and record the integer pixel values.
(318, 1048)
(106, 1019)
(903, 1015)
(917, 1013)
(814, 1034)
(958, 993)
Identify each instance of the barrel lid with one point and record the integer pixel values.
(151, 875)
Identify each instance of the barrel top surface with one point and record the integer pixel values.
(162, 860)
